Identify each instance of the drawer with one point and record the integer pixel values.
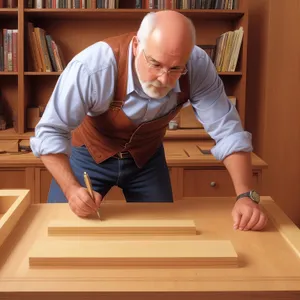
(209, 183)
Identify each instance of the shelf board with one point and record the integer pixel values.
(42, 73)
(11, 134)
(8, 12)
(187, 134)
(58, 73)
(205, 14)
(8, 73)
(230, 73)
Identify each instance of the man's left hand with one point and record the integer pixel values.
(247, 215)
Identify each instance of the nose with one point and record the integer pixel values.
(163, 79)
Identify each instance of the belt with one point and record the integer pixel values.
(123, 155)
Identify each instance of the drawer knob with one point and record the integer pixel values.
(213, 184)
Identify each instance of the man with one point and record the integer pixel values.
(118, 96)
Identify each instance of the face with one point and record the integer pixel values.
(157, 72)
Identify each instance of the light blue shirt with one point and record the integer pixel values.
(86, 86)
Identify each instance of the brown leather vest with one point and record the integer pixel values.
(113, 132)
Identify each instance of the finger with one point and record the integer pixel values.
(77, 209)
(253, 220)
(246, 216)
(236, 219)
(98, 199)
(261, 223)
(87, 201)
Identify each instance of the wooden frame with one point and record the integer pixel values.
(13, 204)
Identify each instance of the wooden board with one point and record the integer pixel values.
(133, 253)
(13, 204)
(96, 227)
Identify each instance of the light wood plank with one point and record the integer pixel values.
(95, 227)
(288, 230)
(13, 204)
(133, 253)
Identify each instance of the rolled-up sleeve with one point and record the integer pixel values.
(85, 87)
(67, 106)
(214, 110)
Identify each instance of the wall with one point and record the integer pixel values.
(273, 97)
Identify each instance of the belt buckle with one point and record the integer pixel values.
(120, 155)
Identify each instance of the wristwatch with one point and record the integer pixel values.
(253, 195)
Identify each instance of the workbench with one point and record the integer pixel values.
(268, 260)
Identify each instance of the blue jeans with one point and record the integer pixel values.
(148, 184)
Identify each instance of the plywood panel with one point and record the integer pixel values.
(142, 253)
(96, 227)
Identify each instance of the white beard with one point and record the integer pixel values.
(150, 88)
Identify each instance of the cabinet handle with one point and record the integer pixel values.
(213, 184)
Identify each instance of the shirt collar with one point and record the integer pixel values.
(130, 80)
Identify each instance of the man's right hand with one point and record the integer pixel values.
(81, 202)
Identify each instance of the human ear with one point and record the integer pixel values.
(135, 43)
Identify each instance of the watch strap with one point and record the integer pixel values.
(243, 195)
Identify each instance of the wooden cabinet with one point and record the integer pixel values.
(192, 173)
(186, 183)
(74, 30)
(210, 183)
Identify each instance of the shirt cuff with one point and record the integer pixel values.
(237, 142)
(50, 145)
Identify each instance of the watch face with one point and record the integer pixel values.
(255, 196)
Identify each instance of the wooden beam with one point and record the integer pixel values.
(133, 253)
(96, 227)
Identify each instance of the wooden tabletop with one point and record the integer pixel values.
(178, 153)
(269, 261)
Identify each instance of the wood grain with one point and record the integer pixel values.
(132, 253)
(94, 227)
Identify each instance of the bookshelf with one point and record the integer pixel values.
(75, 29)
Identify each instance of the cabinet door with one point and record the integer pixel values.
(12, 178)
(210, 183)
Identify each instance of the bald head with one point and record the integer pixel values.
(169, 31)
(162, 49)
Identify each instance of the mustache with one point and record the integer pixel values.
(157, 84)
